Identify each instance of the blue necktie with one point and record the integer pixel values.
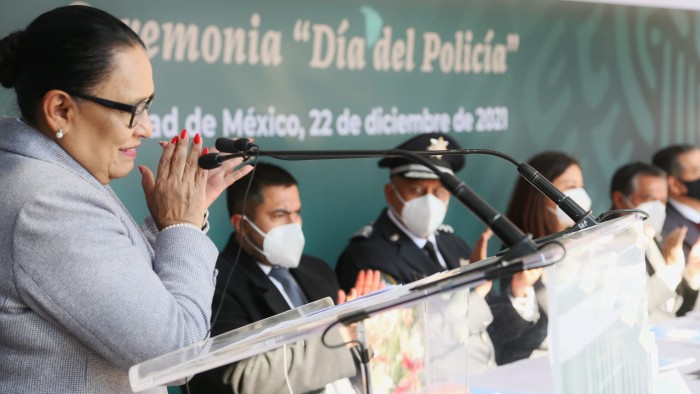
(289, 285)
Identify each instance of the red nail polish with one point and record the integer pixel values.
(197, 139)
(183, 135)
(205, 151)
(140, 169)
(174, 140)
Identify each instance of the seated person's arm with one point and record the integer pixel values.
(310, 366)
(522, 294)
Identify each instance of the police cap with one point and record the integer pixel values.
(431, 141)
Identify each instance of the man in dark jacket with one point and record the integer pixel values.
(271, 276)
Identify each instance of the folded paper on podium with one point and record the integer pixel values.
(416, 336)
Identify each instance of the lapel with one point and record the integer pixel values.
(418, 263)
(313, 284)
(249, 269)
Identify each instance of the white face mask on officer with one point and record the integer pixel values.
(283, 245)
(422, 215)
(580, 196)
(657, 214)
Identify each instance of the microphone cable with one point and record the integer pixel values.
(233, 268)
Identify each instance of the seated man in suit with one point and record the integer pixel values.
(409, 241)
(643, 186)
(682, 164)
(271, 276)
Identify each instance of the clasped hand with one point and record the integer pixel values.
(182, 191)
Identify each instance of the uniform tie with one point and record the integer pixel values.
(289, 285)
(430, 249)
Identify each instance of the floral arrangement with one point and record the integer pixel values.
(396, 339)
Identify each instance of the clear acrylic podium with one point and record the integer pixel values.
(599, 336)
(600, 339)
(418, 332)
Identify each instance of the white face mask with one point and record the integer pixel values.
(657, 215)
(422, 215)
(283, 245)
(580, 196)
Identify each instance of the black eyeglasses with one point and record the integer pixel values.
(135, 110)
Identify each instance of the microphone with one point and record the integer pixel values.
(211, 161)
(581, 217)
(245, 148)
(518, 242)
(232, 146)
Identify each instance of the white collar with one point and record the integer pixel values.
(266, 268)
(419, 241)
(685, 210)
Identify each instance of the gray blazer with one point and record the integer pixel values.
(84, 292)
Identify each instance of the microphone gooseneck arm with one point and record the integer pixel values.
(518, 242)
(242, 147)
(581, 217)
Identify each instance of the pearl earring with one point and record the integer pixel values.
(59, 134)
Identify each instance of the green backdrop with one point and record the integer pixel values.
(609, 84)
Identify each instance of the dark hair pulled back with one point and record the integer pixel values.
(69, 48)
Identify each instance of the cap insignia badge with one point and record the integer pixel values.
(438, 144)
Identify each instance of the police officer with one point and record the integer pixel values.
(409, 240)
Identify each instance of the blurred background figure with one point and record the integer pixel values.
(643, 186)
(682, 164)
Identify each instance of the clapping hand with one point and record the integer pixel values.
(218, 179)
(480, 250)
(524, 279)
(366, 282)
(672, 249)
(692, 268)
(182, 192)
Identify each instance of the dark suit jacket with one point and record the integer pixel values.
(386, 248)
(674, 219)
(251, 296)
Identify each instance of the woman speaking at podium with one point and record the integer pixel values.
(84, 292)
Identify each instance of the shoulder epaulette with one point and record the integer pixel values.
(364, 232)
(445, 228)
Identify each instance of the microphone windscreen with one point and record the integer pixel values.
(232, 146)
(209, 161)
